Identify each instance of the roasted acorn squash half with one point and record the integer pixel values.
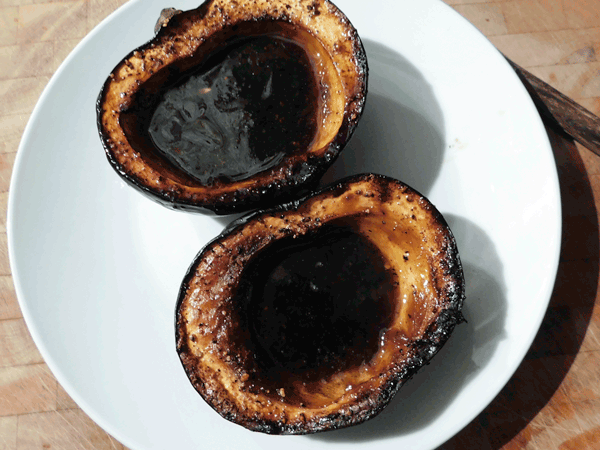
(310, 316)
(235, 105)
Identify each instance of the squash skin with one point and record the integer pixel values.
(179, 44)
(219, 266)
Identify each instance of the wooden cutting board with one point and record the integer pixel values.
(552, 402)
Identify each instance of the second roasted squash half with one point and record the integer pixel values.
(310, 316)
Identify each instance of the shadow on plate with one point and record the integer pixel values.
(401, 132)
(469, 349)
(563, 330)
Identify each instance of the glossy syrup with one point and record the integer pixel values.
(318, 306)
(251, 104)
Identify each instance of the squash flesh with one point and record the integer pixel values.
(181, 47)
(415, 244)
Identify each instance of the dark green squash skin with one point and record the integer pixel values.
(302, 173)
(436, 336)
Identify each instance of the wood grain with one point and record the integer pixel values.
(552, 401)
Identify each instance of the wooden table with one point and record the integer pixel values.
(553, 400)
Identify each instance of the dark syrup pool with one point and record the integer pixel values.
(315, 306)
(251, 104)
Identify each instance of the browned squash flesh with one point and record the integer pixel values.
(236, 104)
(310, 316)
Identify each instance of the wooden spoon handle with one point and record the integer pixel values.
(561, 112)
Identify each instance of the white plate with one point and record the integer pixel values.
(97, 266)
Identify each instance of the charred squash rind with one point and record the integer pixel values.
(179, 45)
(209, 287)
